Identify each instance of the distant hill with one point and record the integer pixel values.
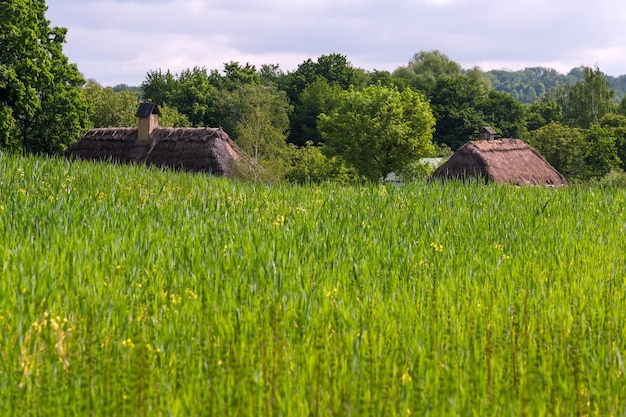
(133, 89)
(531, 83)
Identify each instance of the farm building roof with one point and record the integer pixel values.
(509, 161)
(191, 149)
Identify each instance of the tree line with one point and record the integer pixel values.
(530, 84)
(326, 120)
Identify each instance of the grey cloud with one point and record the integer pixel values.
(106, 35)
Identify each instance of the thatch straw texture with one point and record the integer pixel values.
(508, 161)
(199, 149)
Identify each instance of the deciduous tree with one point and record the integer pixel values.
(108, 108)
(456, 105)
(261, 119)
(585, 102)
(577, 153)
(427, 67)
(42, 106)
(503, 112)
(318, 97)
(379, 130)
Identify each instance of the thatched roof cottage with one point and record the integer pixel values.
(192, 149)
(508, 161)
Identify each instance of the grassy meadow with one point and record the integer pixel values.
(131, 291)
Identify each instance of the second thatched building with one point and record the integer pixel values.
(508, 161)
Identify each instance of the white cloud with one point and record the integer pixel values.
(119, 41)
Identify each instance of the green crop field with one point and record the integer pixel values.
(131, 291)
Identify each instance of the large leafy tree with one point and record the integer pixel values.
(464, 103)
(585, 102)
(578, 153)
(562, 146)
(426, 68)
(504, 112)
(335, 71)
(317, 98)
(108, 108)
(601, 151)
(541, 113)
(379, 130)
(333, 68)
(40, 97)
(236, 75)
(193, 93)
(617, 124)
(195, 97)
(260, 116)
(159, 87)
(456, 103)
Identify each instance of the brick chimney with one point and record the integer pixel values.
(148, 114)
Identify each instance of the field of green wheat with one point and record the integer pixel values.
(132, 291)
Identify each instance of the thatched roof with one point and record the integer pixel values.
(192, 149)
(508, 161)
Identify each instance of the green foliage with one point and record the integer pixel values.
(39, 88)
(108, 108)
(386, 79)
(617, 124)
(318, 97)
(426, 67)
(8, 132)
(321, 80)
(379, 130)
(503, 112)
(193, 96)
(530, 84)
(203, 96)
(601, 151)
(541, 113)
(576, 153)
(271, 73)
(333, 68)
(310, 165)
(463, 104)
(136, 90)
(621, 109)
(415, 171)
(170, 117)
(462, 101)
(563, 147)
(615, 178)
(585, 102)
(130, 291)
(261, 119)
(456, 103)
(618, 85)
(236, 75)
(159, 87)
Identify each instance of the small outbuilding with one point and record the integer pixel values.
(508, 161)
(191, 149)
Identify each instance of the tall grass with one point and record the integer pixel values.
(133, 291)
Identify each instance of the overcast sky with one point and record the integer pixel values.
(119, 41)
